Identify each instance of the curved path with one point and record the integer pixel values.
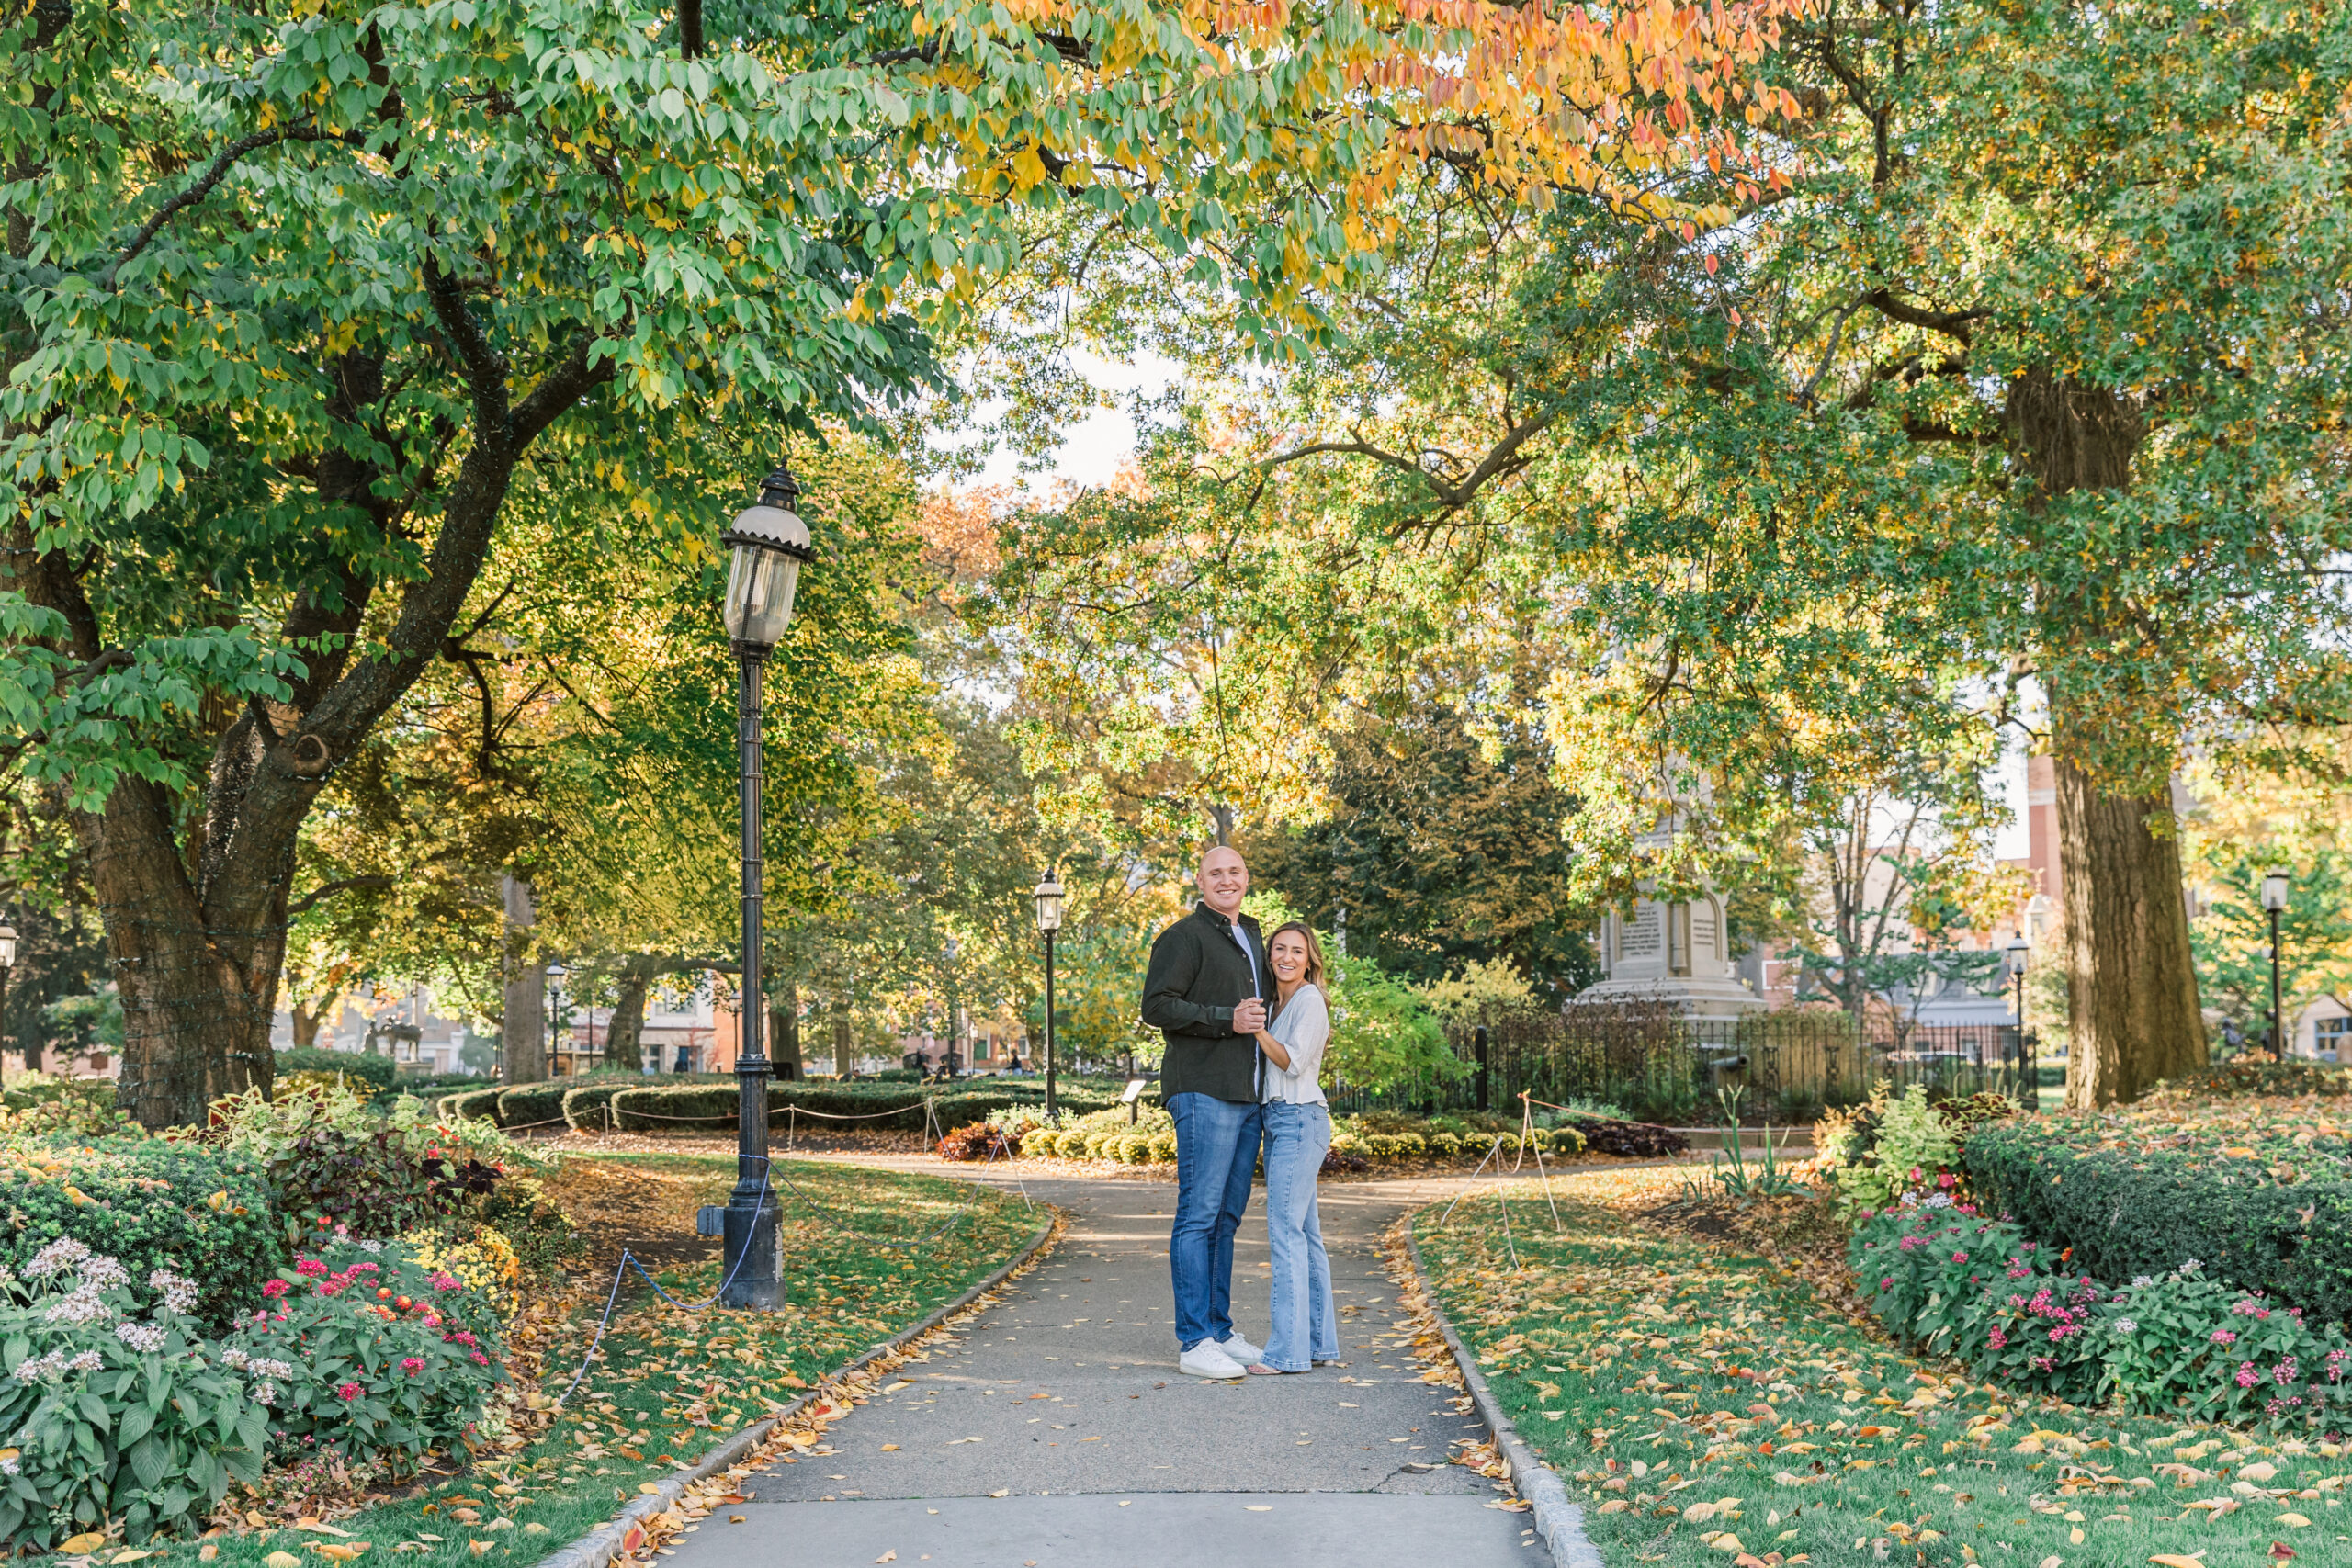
(1056, 1432)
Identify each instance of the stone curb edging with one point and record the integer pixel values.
(1558, 1522)
(601, 1545)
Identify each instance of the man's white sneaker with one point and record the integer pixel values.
(1207, 1359)
(1240, 1350)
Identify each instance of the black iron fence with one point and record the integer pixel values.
(1657, 1065)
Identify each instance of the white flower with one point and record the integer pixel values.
(234, 1359)
(1939, 1201)
(371, 1247)
(87, 1361)
(39, 1369)
(56, 1258)
(2125, 1326)
(9, 1466)
(145, 1338)
(264, 1393)
(103, 1274)
(179, 1293)
(2191, 1267)
(2141, 1281)
(80, 1305)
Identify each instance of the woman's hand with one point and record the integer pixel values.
(1274, 1050)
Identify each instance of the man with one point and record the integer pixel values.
(1204, 992)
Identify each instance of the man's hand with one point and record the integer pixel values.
(1249, 1016)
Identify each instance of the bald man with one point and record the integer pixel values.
(1205, 992)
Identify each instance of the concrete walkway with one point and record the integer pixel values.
(1056, 1432)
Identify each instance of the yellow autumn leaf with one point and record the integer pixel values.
(2294, 1521)
(76, 1545)
(2174, 1560)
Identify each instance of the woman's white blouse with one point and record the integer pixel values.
(1302, 1027)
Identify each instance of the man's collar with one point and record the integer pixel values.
(1202, 908)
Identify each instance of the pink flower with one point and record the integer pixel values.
(1946, 1180)
(311, 1266)
(2247, 1376)
(274, 1289)
(1999, 1339)
(346, 1391)
(1915, 1173)
(2284, 1372)
(480, 1359)
(446, 1280)
(1960, 1257)
(2223, 1337)
(412, 1364)
(1887, 1283)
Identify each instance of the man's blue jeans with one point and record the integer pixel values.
(1302, 1327)
(1216, 1155)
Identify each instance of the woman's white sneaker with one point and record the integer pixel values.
(1240, 1350)
(1208, 1360)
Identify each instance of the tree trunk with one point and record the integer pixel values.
(783, 1034)
(2132, 1010)
(625, 1039)
(522, 1031)
(841, 1062)
(306, 1025)
(2133, 1015)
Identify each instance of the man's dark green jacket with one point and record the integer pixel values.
(1196, 978)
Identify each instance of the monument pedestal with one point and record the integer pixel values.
(1675, 953)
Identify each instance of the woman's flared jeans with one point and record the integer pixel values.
(1305, 1326)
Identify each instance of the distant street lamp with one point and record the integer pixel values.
(771, 543)
(7, 961)
(2274, 898)
(1049, 920)
(2017, 954)
(555, 973)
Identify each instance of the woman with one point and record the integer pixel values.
(1298, 1133)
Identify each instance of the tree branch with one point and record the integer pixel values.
(326, 890)
(206, 182)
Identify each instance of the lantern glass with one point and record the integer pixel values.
(2017, 953)
(2274, 890)
(1049, 903)
(8, 947)
(770, 542)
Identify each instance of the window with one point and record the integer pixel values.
(2329, 1036)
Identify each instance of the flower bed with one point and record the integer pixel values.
(1956, 1282)
(122, 1410)
(2128, 1210)
(1151, 1139)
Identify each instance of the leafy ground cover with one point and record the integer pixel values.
(867, 1254)
(1711, 1406)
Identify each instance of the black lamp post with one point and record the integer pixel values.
(7, 961)
(2274, 899)
(770, 542)
(2018, 951)
(1049, 920)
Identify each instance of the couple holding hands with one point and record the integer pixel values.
(1246, 1021)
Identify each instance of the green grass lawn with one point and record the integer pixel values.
(669, 1384)
(1659, 1374)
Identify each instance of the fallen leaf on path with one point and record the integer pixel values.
(1259, 1508)
(889, 1556)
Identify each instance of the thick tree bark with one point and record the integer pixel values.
(841, 1061)
(625, 1039)
(783, 1034)
(522, 1028)
(306, 1026)
(2133, 1015)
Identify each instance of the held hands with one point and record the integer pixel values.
(1249, 1016)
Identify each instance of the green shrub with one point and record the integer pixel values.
(2181, 1344)
(587, 1108)
(898, 1075)
(358, 1065)
(2127, 1213)
(2251, 1074)
(146, 1202)
(44, 1105)
(116, 1410)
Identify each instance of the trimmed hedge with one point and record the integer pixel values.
(2127, 1214)
(377, 1072)
(892, 1108)
(473, 1105)
(148, 1204)
(588, 1108)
